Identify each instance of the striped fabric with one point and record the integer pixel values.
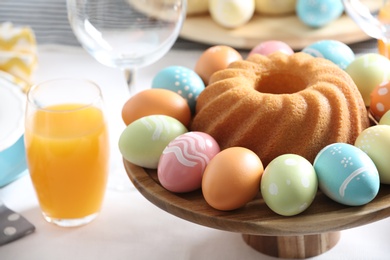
(48, 19)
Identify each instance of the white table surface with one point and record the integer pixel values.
(129, 226)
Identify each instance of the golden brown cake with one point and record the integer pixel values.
(280, 104)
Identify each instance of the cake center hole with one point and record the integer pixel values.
(280, 83)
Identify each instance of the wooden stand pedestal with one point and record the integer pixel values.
(293, 247)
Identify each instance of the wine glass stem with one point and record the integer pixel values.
(130, 75)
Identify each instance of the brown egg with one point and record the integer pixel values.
(213, 59)
(232, 178)
(156, 102)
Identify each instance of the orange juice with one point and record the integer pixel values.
(67, 153)
(384, 17)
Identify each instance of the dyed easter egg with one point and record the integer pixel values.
(346, 174)
(289, 184)
(143, 141)
(156, 102)
(181, 80)
(318, 13)
(369, 71)
(184, 160)
(213, 59)
(268, 47)
(232, 178)
(385, 119)
(278, 7)
(337, 52)
(375, 142)
(231, 13)
(380, 100)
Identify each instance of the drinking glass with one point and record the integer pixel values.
(126, 34)
(373, 17)
(67, 148)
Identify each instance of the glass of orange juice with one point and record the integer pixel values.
(67, 149)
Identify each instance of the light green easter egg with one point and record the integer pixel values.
(368, 71)
(289, 184)
(375, 142)
(143, 141)
(385, 119)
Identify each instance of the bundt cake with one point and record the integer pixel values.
(280, 104)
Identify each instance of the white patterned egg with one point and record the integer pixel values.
(181, 80)
(143, 141)
(375, 142)
(337, 52)
(289, 184)
(346, 174)
(184, 160)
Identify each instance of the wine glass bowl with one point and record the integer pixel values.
(126, 34)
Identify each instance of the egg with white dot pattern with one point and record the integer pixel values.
(337, 52)
(346, 174)
(289, 184)
(375, 142)
(181, 80)
(380, 100)
(368, 71)
(318, 13)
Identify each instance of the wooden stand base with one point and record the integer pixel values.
(293, 247)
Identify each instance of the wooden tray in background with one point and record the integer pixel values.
(284, 28)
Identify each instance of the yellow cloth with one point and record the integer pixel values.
(18, 52)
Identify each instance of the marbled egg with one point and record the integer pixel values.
(268, 47)
(346, 174)
(181, 80)
(143, 141)
(375, 142)
(318, 13)
(337, 52)
(184, 160)
(368, 71)
(380, 100)
(289, 184)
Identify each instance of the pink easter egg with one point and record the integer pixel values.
(184, 160)
(268, 47)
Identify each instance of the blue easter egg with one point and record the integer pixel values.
(335, 51)
(318, 13)
(346, 174)
(181, 80)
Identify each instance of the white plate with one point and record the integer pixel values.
(12, 107)
(12, 151)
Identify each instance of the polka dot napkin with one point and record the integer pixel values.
(12, 225)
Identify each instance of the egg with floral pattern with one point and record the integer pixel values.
(346, 174)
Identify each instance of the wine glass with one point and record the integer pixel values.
(126, 34)
(373, 17)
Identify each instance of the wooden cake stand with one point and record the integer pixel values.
(308, 234)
